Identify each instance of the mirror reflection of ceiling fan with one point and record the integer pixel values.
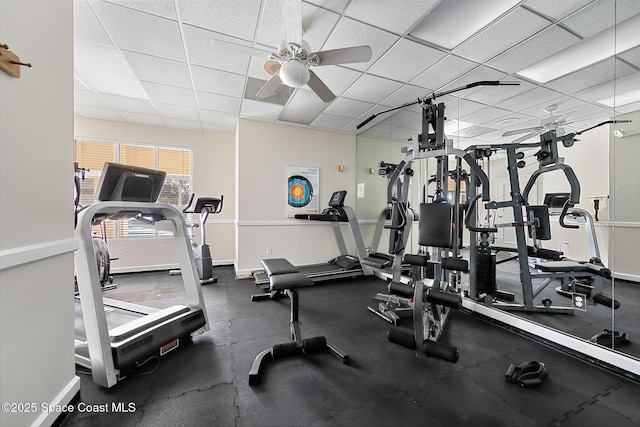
(551, 122)
(292, 63)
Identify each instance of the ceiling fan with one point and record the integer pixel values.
(292, 63)
(551, 122)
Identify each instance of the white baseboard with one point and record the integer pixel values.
(623, 276)
(63, 398)
(160, 267)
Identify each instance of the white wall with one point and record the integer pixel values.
(36, 227)
(263, 153)
(213, 175)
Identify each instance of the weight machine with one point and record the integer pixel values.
(430, 299)
(531, 221)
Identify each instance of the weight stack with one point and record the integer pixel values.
(486, 274)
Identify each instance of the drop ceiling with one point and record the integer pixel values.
(153, 63)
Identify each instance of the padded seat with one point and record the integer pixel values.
(574, 267)
(275, 266)
(281, 282)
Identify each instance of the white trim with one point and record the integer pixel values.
(619, 360)
(14, 257)
(292, 222)
(627, 224)
(63, 398)
(624, 276)
(159, 267)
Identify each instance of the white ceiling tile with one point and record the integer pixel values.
(371, 89)
(217, 117)
(86, 26)
(212, 101)
(182, 124)
(405, 60)
(513, 28)
(141, 32)
(88, 99)
(538, 47)
(349, 108)
(379, 129)
(142, 119)
(406, 118)
(556, 9)
(257, 110)
(177, 112)
(396, 16)
(216, 81)
(201, 51)
(158, 70)
(510, 119)
(236, 18)
(350, 33)
(629, 108)
(443, 72)
(601, 15)
(335, 5)
(486, 114)
(164, 8)
(103, 68)
(122, 103)
(605, 90)
(303, 107)
(591, 76)
(454, 21)
(97, 113)
(530, 98)
(317, 24)
(330, 122)
(170, 94)
(632, 56)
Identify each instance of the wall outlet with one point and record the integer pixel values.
(269, 250)
(161, 248)
(120, 250)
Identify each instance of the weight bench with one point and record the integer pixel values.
(565, 270)
(285, 278)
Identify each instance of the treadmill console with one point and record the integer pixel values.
(129, 183)
(337, 199)
(555, 202)
(334, 212)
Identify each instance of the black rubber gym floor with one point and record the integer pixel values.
(206, 382)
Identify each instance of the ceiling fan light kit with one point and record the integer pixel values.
(294, 74)
(291, 64)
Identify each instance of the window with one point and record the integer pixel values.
(90, 157)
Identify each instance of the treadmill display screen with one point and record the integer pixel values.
(129, 183)
(337, 199)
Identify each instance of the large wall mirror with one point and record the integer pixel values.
(592, 75)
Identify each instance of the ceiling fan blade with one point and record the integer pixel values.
(527, 136)
(519, 131)
(347, 55)
(272, 67)
(270, 87)
(238, 48)
(292, 14)
(320, 88)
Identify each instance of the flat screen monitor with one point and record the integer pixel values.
(120, 182)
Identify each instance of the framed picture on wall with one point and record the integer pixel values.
(302, 190)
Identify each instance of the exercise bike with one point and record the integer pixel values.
(204, 207)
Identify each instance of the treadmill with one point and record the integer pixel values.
(342, 266)
(114, 337)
